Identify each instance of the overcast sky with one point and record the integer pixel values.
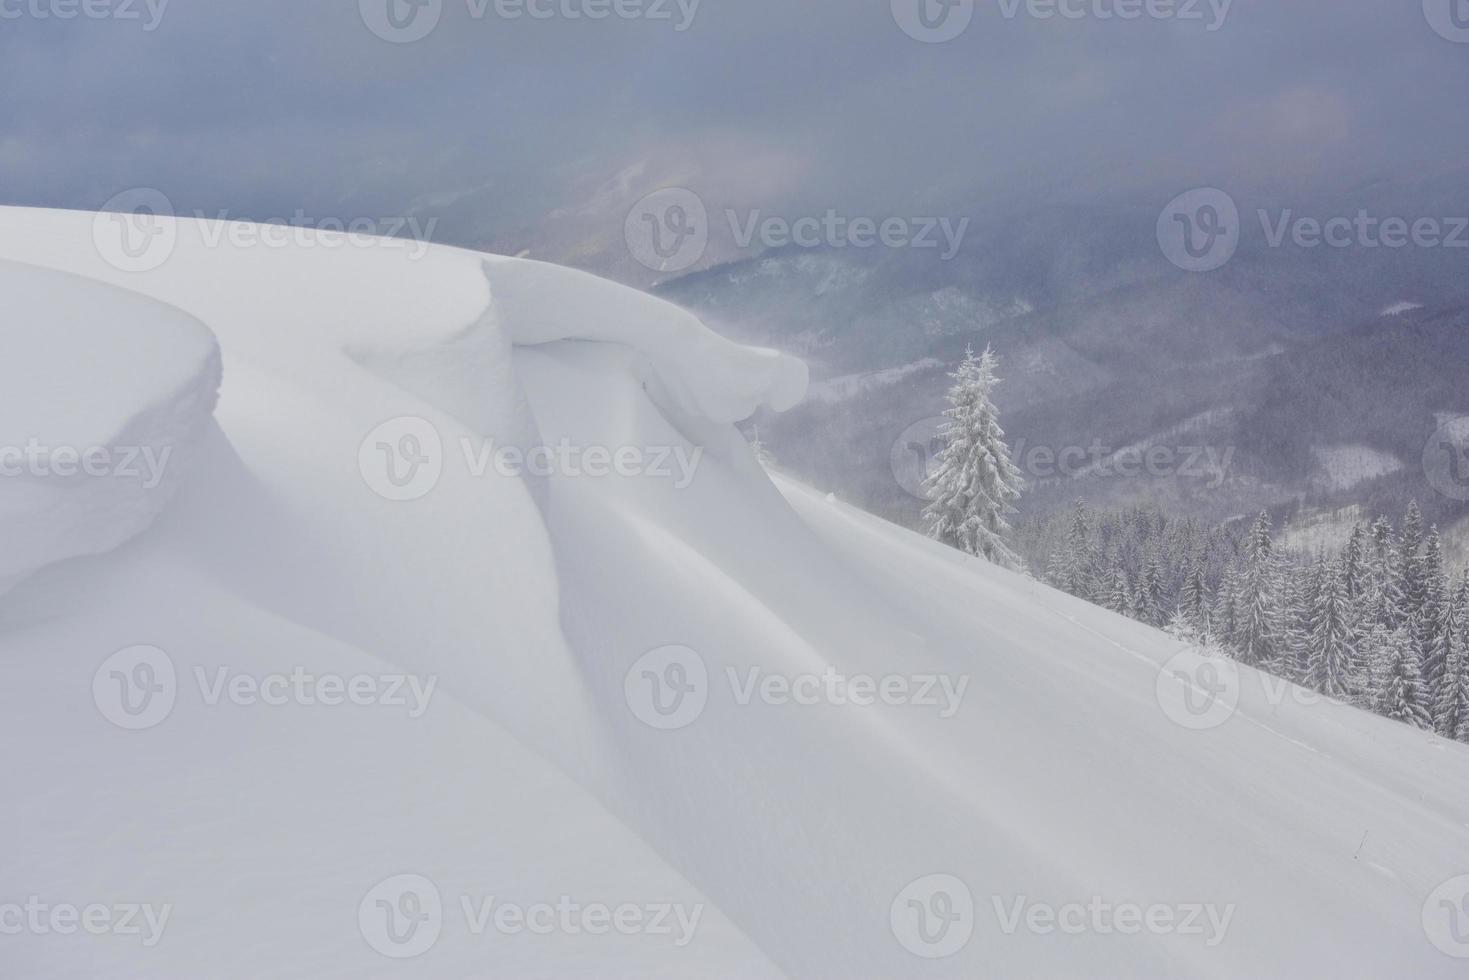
(263, 107)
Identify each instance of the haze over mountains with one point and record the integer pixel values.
(1303, 379)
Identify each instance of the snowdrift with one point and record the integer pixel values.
(100, 388)
(512, 494)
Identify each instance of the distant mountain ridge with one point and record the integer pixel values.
(1298, 363)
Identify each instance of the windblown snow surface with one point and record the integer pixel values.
(581, 782)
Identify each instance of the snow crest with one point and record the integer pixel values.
(704, 374)
(104, 396)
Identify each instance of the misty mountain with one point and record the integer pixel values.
(1303, 379)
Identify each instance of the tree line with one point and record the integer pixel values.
(1379, 623)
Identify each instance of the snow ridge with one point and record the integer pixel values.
(104, 396)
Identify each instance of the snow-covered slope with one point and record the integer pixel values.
(592, 660)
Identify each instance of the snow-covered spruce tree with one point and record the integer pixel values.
(1301, 590)
(1436, 636)
(1402, 696)
(1330, 661)
(1225, 614)
(1139, 609)
(975, 485)
(1451, 714)
(1437, 598)
(1451, 703)
(1257, 636)
(1379, 563)
(1075, 567)
(1375, 645)
(1118, 597)
(1182, 629)
(1354, 569)
(1193, 598)
(1152, 600)
(1409, 581)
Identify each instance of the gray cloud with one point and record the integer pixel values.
(538, 134)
